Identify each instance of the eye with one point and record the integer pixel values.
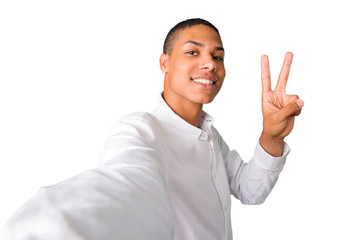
(218, 58)
(192, 52)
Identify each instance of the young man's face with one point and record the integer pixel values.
(194, 71)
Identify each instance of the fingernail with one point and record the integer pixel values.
(300, 103)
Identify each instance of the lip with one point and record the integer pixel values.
(206, 77)
(203, 85)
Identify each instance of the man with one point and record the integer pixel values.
(168, 174)
(193, 66)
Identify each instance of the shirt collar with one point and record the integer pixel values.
(166, 115)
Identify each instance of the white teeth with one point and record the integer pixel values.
(203, 81)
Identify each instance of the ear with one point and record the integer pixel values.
(163, 62)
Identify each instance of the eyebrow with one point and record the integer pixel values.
(202, 45)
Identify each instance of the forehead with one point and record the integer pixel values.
(198, 33)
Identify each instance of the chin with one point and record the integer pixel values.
(206, 100)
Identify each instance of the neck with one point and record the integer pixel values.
(189, 111)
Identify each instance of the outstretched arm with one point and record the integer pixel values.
(278, 108)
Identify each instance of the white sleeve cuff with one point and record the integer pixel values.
(267, 161)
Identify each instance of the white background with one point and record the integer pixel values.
(70, 69)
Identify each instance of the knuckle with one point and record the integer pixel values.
(293, 97)
(284, 76)
(266, 76)
(298, 113)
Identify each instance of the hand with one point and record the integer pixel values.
(278, 108)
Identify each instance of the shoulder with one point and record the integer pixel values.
(138, 117)
(138, 124)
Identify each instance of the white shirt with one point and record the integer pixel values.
(202, 173)
(158, 178)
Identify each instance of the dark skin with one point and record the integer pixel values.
(278, 108)
(197, 53)
(194, 72)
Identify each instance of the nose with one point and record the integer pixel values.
(208, 64)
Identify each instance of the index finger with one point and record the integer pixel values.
(265, 74)
(284, 74)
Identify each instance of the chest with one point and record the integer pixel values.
(192, 163)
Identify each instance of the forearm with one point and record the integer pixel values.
(257, 178)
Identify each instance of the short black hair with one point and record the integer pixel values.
(172, 34)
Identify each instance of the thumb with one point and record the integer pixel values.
(292, 109)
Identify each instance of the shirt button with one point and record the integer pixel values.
(225, 208)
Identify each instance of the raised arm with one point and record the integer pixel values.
(278, 108)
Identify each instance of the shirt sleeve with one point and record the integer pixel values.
(123, 198)
(252, 181)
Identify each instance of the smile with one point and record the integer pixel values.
(203, 81)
